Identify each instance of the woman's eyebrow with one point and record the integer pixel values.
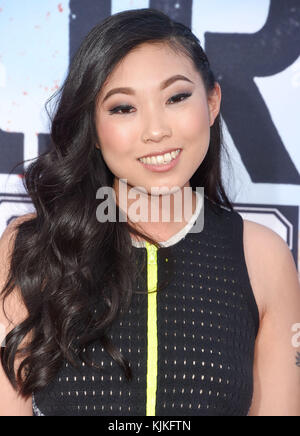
(163, 85)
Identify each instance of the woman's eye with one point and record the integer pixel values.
(118, 109)
(179, 96)
(176, 98)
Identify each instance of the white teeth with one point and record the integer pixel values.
(162, 159)
(168, 157)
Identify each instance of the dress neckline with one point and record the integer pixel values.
(183, 232)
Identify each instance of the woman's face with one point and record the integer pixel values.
(154, 119)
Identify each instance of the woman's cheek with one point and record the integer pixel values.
(123, 134)
(115, 140)
(194, 122)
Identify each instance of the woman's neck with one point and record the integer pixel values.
(158, 216)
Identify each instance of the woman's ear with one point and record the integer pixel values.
(214, 103)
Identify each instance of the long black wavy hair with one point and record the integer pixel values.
(64, 262)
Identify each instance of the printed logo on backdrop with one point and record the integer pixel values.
(12, 206)
(282, 219)
(237, 59)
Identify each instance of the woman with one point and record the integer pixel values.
(128, 317)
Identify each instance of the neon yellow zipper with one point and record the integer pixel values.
(152, 329)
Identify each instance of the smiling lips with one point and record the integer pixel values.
(161, 159)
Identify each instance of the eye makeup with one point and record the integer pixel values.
(176, 99)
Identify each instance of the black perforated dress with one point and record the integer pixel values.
(190, 345)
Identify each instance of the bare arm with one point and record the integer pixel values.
(11, 404)
(276, 374)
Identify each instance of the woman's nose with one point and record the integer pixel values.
(156, 130)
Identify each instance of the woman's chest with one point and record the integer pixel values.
(194, 358)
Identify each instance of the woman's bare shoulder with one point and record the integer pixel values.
(13, 303)
(265, 253)
(10, 230)
(12, 226)
(12, 312)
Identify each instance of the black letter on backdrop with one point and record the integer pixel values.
(11, 145)
(237, 59)
(84, 15)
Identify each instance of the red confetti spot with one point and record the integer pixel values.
(1, 9)
(60, 8)
(25, 93)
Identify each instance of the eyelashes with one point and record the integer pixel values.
(123, 108)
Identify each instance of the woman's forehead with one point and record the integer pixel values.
(134, 68)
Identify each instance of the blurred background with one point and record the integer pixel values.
(254, 50)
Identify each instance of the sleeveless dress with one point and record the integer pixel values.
(190, 344)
